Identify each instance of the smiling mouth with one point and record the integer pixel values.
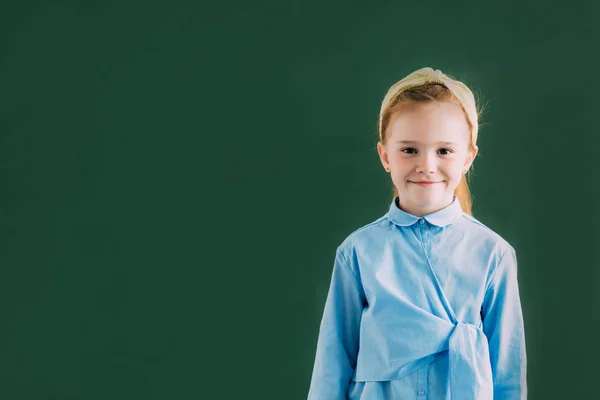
(424, 183)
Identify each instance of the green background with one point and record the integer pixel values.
(176, 177)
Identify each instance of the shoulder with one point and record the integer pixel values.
(364, 235)
(484, 233)
(498, 249)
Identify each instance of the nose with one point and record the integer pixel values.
(426, 163)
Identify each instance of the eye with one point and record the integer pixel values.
(445, 151)
(409, 150)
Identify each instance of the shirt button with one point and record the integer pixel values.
(421, 392)
(421, 221)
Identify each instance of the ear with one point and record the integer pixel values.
(471, 157)
(383, 156)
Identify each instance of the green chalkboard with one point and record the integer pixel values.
(176, 176)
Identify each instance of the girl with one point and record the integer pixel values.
(423, 302)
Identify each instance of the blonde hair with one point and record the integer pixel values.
(425, 86)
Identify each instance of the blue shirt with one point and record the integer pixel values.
(422, 308)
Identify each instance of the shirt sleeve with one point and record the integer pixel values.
(337, 345)
(503, 325)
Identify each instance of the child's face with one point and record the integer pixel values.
(415, 151)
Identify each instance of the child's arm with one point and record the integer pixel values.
(337, 346)
(503, 326)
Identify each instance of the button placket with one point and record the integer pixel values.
(424, 228)
(422, 378)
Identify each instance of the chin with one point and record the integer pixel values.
(426, 202)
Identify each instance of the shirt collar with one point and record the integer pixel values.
(443, 217)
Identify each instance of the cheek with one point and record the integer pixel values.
(401, 163)
(454, 169)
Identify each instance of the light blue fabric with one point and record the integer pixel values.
(422, 308)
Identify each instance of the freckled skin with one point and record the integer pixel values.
(426, 158)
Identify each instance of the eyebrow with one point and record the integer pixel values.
(413, 141)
